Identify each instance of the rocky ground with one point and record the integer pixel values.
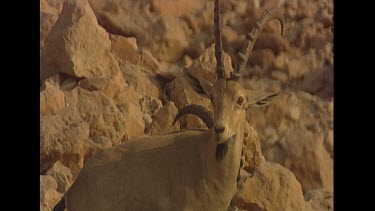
(114, 70)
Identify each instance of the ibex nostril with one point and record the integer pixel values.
(219, 129)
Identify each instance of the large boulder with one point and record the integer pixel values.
(64, 137)
(270, 188)
(76, 45)
(106, 122)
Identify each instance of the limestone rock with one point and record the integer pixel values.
(182, 94)
(76, 45)
(52, 99)
(48, 17)
(276, 42)
(271, 187)
(48, 182)
(106, 122)
(176, 8)
(63, 137)
(143, 81)
(149, 107)
(205, 65)
(148, 60)
(319, 199)
(170, 39)
(125, 48)
(62, 175)
(252, 149)
(135, 125)
(262, 57)
(293, 132)
(109, 85)
(162, 122)
(49, 198)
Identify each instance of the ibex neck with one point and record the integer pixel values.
(225, 170)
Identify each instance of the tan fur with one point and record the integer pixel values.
(177, 171)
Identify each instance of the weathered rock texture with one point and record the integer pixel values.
(271, 187)
(116, 70)
(297, 133)
(319, 199)
(76, 45)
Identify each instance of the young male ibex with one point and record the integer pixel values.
(187, 170)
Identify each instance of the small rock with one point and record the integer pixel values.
(48, 182)
(150, 105)
(318, 42)
(62, 175)
(229, 35)
(52, 99)
(328, 142)
(162, 122)
(125, 48)
(294, 113)
(319, 199)
(297, 68)
(48, 17)
(187, 61)
(263, 57)
(48, 199)
(148, 60)
(133, 116)
(279, 75)
(205, 65)
(276, 42)
(252, 150)
(143, 81)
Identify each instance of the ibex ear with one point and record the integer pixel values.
(260, 98)
(201, 86)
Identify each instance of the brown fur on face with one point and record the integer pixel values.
(228, 99)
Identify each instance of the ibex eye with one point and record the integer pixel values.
(240, 101)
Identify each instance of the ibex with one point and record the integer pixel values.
(192, 169)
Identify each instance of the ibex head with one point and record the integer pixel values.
(229, 98)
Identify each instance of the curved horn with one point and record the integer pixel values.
(218, 45)
(253, 36)
(198, 110)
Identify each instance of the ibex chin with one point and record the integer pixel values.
(187, 170)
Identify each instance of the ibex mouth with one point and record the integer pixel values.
(223, 138)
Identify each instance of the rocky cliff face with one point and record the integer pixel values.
(115, 70)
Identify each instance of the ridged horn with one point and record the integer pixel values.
(251, 38)
(197, 110)
(218, 45)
